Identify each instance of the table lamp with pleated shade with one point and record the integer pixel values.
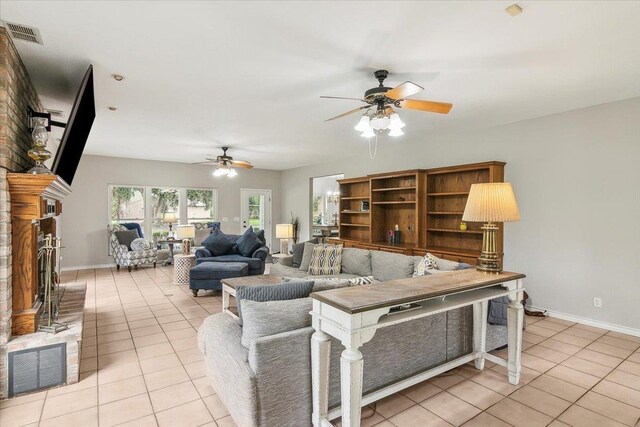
(491, 203)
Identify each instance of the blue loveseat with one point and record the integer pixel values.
(256, 261)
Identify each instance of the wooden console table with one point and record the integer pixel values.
(353, 315)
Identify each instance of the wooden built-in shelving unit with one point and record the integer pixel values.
(427, 205)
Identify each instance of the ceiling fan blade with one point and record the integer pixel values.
(404, 90)
(355, 110)
(341, 97)
(430, 106)
(241, 164)
(208, 162)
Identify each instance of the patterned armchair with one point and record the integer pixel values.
(125, 257)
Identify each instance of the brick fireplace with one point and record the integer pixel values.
(16, 94)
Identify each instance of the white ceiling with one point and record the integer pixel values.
(249, 74)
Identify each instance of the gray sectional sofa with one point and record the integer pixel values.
(269, 383)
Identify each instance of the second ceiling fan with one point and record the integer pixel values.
(382, 100)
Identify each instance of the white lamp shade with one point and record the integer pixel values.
(232, 172)
(363, 124)
(284, 231)
(395, 122)
(185, 232)
(396, 132)
(368, 133)
(491, 202)
(380, 122)
(169, 217)
(221, 171)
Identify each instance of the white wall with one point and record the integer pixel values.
(577, 180)
(85, 212)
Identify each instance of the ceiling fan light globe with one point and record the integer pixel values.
(221, 171)
(363, 124)
(395, 122)
(232, 173)
(396, 132)
(380, 122)
(368, 133)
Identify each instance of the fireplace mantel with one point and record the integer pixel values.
(36, 202)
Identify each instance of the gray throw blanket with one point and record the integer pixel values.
(497, 311)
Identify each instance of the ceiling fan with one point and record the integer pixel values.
(226, 164)
(381, 101)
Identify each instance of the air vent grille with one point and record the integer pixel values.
(23, 32)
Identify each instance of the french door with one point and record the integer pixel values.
(255, 211)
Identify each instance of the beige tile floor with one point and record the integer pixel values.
(141, 367)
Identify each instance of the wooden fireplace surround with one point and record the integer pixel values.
(36, 203)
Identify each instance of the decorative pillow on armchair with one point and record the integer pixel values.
(218, 243)
(140, 244)
(126, 237)
(427, 263)
(326, 260)
(248, 242)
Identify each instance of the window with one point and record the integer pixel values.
(256, 212)
(147, 205)
(200, 205)
(163, 200)
(127, 204)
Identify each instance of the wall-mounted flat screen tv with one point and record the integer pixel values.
(76, 131)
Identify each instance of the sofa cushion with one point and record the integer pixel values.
(260, 234)
(261, 319)
(326, 259)
(286, 271)
(356, 261)
(389, 266)
(298, 251)
(219, 270)
(254, 263)
(126, 237)
(218, 243)
(284, 291)
(306, 256)
(324, 284)
(248, 242)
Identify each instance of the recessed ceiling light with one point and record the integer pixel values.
(113, 108)
(117, 77)
(514, 10)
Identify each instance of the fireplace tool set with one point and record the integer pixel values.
(52, 294)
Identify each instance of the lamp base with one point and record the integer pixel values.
(489, 260)
(186, 246)
(284, 246)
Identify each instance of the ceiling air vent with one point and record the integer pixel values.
(23, 32)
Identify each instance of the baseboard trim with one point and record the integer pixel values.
(88, 267)
(577, 319)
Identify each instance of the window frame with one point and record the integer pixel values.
(147, 222)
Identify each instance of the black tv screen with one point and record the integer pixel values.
(76, 131)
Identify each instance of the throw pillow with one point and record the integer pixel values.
(140, 244)
(389, 266)
(125, 237)
(260, 234)
(298, 251)
(306, 256)
(445, 264)
(365, 280)
(284, 291)
(337, 282)
(261, 319)
(218, 243)
(427, 263)
(201, 235)
(248, 243)
(325, 260)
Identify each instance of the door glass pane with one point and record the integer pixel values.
(127, 204)
(200, 205)
(256, 212)
(164, 200)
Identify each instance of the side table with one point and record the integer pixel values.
(182, 265)
(284, 259)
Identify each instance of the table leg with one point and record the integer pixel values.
(515, 317)
(351, 370)
(480, 332)
(320, 356)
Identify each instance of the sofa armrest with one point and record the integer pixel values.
(203, 253)
(282, 365)
(261, 253)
